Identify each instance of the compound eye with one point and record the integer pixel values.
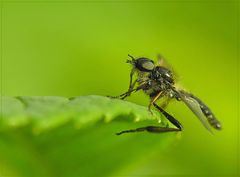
(144, 64)
(148, 65)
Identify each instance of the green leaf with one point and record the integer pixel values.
(57, 136)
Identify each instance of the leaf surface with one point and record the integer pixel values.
(56, 136)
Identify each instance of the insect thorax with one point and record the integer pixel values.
(158, 80)
(162, 75)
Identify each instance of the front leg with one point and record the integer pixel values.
(141, 86)
(130, 90)
(130, 87)
(127, 93)
(132, 84)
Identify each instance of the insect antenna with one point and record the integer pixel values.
(131, 61)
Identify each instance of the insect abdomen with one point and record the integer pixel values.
(208, 113)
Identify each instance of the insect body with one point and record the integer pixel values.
(158, 81)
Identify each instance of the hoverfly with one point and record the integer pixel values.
(158, 81)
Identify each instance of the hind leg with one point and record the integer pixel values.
(156, 129)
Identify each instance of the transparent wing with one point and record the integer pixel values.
(161, 61)
(195, 108)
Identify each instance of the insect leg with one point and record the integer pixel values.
(156, 129)
(130, 87)
(124, 95)
(169, 117)
(128, 93)
(152, 129)
(153, 100)
(131, 84)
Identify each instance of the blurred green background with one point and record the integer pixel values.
(80, 48)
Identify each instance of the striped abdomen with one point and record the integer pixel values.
(208, 113)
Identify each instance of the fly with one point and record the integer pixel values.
(158, 81)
